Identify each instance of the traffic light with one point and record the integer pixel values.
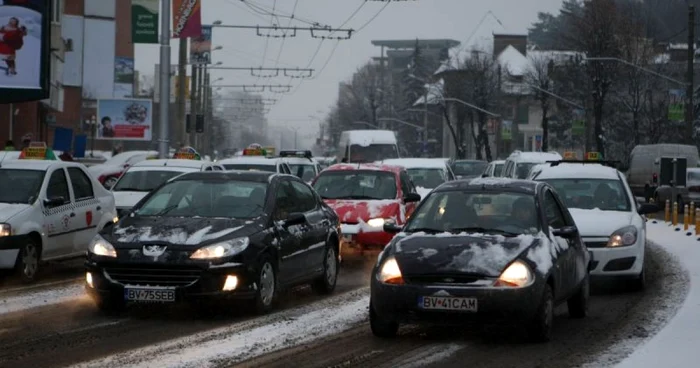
(199, 124)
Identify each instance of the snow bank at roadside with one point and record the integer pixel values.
(676, 345)
(247, 340)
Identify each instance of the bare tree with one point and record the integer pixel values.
(361, 98)
(538, 77)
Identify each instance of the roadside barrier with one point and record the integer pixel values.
(691, 217)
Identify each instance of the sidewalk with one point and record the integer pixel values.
(677, 343)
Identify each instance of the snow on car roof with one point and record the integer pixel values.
(258, 160)
(498, 162)
(172, 162)
(367, 137)
(534, 156)
(416, 163)
(377, 167)
(578, 171)
(36, 164)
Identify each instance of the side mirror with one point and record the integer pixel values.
(296, 218)
(412, 197)
(54, 202)
(392, 228)
(648, 208)
(566, 232)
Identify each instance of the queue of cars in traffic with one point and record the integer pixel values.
(508, 242)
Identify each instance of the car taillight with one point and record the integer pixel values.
(654, 178)
(101, 179)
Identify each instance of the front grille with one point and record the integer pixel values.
(596, 244)
(442, 279)
(154, 276)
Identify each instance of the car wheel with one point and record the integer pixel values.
(639, 283)
(28, 261)
(578, 304)
(326, 283)
(540, 329)
(266, 287)
(381, 327)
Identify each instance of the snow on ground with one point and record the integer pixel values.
(242, 341)
(676, 345)
(14, 303)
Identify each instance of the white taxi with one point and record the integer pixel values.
(606, 214)
(49, 210)
(302, 164)
(147, 175)
(256, 159)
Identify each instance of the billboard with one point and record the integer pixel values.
(123, 77)
(187, 18)
(200, 47)
(124, 119)
(144, 21)
(24, 50)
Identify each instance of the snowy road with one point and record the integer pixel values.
(313, 331)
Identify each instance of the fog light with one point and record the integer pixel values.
(231, 283)
(88, 279)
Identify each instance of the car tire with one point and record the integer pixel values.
(380, 327)
(326, 283)
(578, 304)
(28, 259)
(266, 291)
(540, 329)
(639, 283)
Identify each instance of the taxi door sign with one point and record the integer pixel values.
(569, 155)
(593, 156)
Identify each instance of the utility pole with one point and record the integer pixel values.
(425, 124)
(163, 146)
(689, 106)
(194, 93)
(181, 91)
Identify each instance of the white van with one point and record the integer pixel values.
(367, 146)
(518, 164)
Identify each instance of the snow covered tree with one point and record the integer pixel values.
(538, 77)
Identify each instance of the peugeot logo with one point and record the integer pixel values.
(153, 250)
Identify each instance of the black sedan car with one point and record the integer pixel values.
(239, 235)
(496, 250)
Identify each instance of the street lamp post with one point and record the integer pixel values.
(163, 146)
(92, 122)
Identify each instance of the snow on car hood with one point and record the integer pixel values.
(599, 223)
(9, 210)
(127, 199)
(357, 211)
(99, 170)
(172, 230)
(448, 253)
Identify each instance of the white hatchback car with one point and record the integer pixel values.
(607, 215)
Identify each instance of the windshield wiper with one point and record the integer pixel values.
(425, 230)
(482, 230)
(165, 210)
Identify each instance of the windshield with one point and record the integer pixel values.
(199, 198)
(497, 169)
(251, 167)
(373, 152)
(427, 178)
(587, 194)
(144, 181)
(20, 186)
(305, 172)
(356, 184)
(504, 213)
(468, 168)
(522, 169)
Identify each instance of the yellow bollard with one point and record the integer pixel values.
(675, 213)
(697, 221)
(667, 211)
(692, 212)
(651, 215)
(686, 217)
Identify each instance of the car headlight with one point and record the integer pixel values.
(623, 237)
(518, 274)
(5, 230)
(101, 247)
(223, 249)
(390, 273)
(379, 222)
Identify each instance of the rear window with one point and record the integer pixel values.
(356, 184)
(373, 152)
(468, 168)
(251, 167)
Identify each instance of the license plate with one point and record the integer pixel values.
(149, 295)
(448, 303)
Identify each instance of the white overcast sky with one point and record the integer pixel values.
(424, 19)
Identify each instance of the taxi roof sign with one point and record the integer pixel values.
(254, 152)
(298, 153)
(187, 153)
(593, 156)
(570, 155)
(37, 151)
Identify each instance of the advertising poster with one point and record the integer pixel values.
(187, 18)
(123, 77)
(144, 21)
(200, 47)
(24, 49)
(124, 119)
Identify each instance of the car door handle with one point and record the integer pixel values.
(72, 214)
